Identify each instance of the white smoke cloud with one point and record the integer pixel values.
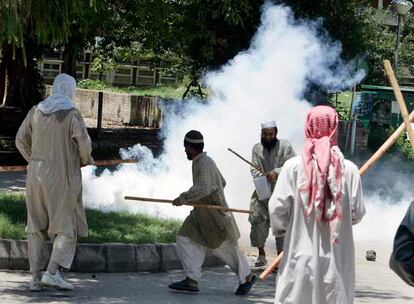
(265, 82)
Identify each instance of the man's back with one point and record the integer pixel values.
(314, 269)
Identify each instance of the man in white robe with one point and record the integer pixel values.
(317, 199)
(54, 141)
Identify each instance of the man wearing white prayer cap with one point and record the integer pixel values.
(269, 155)
(54, 141)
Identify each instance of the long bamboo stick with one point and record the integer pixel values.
(111, 162)
(368, 165)
(165, 201)
(245, 160)
(400, 100)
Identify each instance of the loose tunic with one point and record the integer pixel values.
(267, 161)
(55, 146)
(208, 227)
(313, 269)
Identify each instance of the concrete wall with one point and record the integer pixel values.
(361, 136)
(126, 109)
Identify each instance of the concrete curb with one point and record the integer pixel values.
(107, 257)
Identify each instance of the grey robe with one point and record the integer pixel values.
(267, 161)
(208, 227)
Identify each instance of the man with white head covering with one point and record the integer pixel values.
(54, 141)
(317, 199)
(269, 156)
(205, 229)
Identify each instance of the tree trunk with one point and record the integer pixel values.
(69, 61)
(2, 81)
(25, 86)
(13, 63)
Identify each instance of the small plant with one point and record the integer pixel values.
(92, 84)
(404, 146)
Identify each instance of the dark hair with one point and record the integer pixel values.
(197, 147)
(193, 134)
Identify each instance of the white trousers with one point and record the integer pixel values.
(192, 257)
(63, 252)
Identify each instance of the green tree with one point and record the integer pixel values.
(379, 43)
(339, 19)
(26, 28)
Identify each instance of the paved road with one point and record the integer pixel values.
(375, 284)
(12, 181)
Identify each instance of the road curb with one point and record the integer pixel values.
(106, 257)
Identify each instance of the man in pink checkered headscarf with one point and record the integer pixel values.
(318, 196)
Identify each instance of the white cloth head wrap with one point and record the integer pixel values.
(63, 93)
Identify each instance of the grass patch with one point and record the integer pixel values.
(164, 91)
(120, 227)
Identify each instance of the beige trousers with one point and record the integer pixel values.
(192, 257)
(63, 251)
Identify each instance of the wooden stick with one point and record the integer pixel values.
(400, 100)
(165, 201)
(263, 276)
(368, 165)
(245, 160)
(110, 162)
(385, 147)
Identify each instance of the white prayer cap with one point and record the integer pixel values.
(269, 124)
(194, 137)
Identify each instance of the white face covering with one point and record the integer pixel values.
(63, 92)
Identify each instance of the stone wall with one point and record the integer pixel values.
(361, 136)
(143, 111)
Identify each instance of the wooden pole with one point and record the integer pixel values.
(263, 276)
(245, 160)
(100, 109)
(111, 162)
(165, 201)
(368, 165)
(400, 100)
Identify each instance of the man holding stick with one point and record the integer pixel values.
(269, 156)
(206, 228)
(317, 199)
(54, 141)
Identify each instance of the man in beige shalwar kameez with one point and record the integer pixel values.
(54, 141)
(207, 229)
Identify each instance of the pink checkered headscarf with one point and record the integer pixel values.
(321, 189)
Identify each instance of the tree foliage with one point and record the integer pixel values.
(380, 41)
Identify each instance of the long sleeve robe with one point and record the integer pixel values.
(267, 161)
(55, 146)
(313, 270)
(272, 160)
(208, 227)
